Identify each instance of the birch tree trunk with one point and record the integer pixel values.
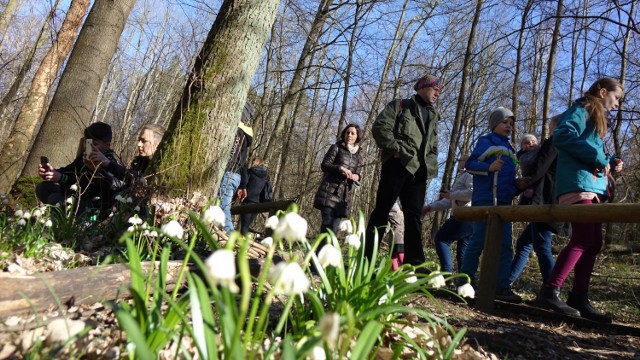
(17, 144)
(75, 98)
(196, 147)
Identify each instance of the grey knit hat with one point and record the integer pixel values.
(497, 115)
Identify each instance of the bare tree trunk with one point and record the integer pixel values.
(17, 144)
(516, 79)
(6, 15)
(10, 95)
(196, 147)
(74, 101)
(551, 69)
(295, 87)
(457, 121)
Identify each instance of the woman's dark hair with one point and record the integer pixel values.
(358, 132)
(594, 104)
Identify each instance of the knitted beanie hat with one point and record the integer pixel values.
(99, 131)
(497, 115)
(427, 81)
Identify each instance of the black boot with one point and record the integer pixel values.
(549, 298)
(581, 302)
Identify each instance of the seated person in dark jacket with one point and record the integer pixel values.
(258, 179)
(148, 140)
(93, 174)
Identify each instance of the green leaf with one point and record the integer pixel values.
(367, 339)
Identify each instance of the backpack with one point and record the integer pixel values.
(266, 195)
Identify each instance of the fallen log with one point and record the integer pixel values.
(86, 285)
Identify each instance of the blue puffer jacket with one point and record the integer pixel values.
(581, 156)
(486, 151)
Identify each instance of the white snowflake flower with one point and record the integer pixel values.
(37, 213)
(131, 229)
(26, 215)
(214, 215)
(330, 328)
(467, 291)
(69, 200)
(267, 242)
(120, 199)
(129, 200)
(137, 208)
(135, 220)
(437, 281)
(48, 223)
(329, 256)
(288, 279)
(318, 353)
(18, 213)
(74, 187)
(272, 222)
(411, 278)
(292, 227)
(174, 229)
(346, 226)
(22, 222)
(353, 240)
(222, 269)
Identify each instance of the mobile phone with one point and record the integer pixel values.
(88, 146)
(44, 161)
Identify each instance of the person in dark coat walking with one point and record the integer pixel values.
(258, 178)
(341, 167)
(540, 177)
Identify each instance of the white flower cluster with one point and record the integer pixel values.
(214, 215)
(123, 200)
(222, 269)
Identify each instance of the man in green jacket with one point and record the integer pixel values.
(406, 132)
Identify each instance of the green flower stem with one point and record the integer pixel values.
(185, 262)
(256, 302)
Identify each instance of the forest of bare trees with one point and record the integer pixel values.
(309, 67)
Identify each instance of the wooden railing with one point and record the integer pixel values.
(496, 215)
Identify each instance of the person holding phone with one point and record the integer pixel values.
(93, 172)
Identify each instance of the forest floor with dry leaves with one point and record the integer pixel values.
(510, 332)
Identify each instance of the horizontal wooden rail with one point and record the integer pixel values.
(620, 213)
(261, 207)
(496, 215)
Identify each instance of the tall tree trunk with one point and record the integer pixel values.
(7, 13)
(17, 144)
(457, 121)
(551, 64)
(519, 49)
(295, 86)
(75, 98)
(196, 147)
(10, 95)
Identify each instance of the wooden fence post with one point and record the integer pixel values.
(489, 263)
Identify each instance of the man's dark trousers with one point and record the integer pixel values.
(397, 182)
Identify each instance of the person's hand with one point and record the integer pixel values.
(607, 169)
(522, 183)
(47, 173)
(496, 165)
(619, 165)
(425, 210)
(97, 158)
(355, 177)
(445, 194)
(347, 172)
(242, 194)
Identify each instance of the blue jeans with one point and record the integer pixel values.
(471, 258)
(452, 230)
(228, 186)
(536, 236)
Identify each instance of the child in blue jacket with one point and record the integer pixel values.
(493, 165)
